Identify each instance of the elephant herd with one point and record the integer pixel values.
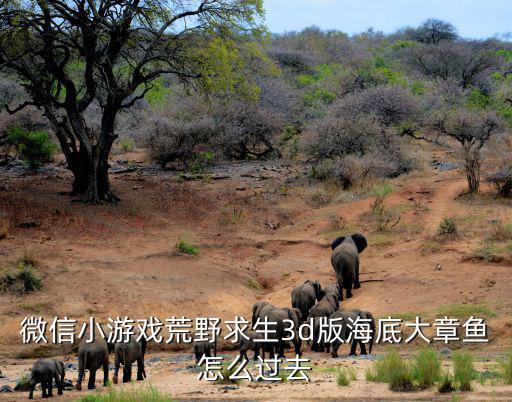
(310, 302)
(92, 356)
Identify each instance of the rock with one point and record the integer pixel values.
(28, 224)
(445, 351)
(5, 389)
(229, 388)
(71, 366)
(154, 359)
(68, 384)
(439, 267)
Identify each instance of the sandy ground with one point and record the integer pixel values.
(259, 224)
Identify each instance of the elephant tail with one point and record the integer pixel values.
(144, 345)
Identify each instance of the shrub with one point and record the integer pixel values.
(253, 284)
(393, 370)
(463, 370)
(185, 247)
(127, 144)
(385, 217)
(447, 226)
(506, 369)
(128, 395)
(34, 147)
(502, 231)
(502, 181)
(344, 375)
(445, 383)
(23, 279)
(426, 368)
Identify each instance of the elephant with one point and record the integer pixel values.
(204, 348)
(44, 371)
(279, 329)
(305, 296)
(251, 344)
(327, 306)
(345, 261)
(348, 317)
(127, 353)
(93, 356)
(259, 309)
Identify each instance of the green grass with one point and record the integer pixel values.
(22, 279)
(447, 226)
(133, 395)
(430, 246)
(185, 247)
(394, 370)
(445, 383)
(127, 144)
(491, 250)
(253, 284)
(463, 369)
(502, 232)
(344, 375)
(506, 369)
(426, 367)
(466, 310)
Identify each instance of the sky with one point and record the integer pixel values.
(474, 19)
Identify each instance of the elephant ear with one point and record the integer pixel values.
(337, 242)
(360, 242)
(318, 290)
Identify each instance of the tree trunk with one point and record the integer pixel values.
(473, 173)
(98, 183)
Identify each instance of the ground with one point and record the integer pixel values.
(260, 229)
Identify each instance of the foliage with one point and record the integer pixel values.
(463, 370)
(447, 226)
(127, 144)
(445, 383)
(426, 367)
(506, 369)
(183, 246)
(394, 370)
(34, 147)
(22, 279)
(344, 375)
(502, 181)
(384, 216)
(502, 231)
(127, 395)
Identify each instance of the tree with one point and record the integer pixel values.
(433, 31)
(74, 55)
(472, 129)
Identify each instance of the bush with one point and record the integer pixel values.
(506, 369)
(502, 181)
(34, 147)
(385, 217)
(23, 279)
(445, 383)
(127, 144)
(426, 368)
(185, 247)
(502, 231)
(463, 370)
(447, 226)
(133, 395)
(392, 370)
(344, 375)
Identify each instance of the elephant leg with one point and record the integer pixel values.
(105, 373)
(140, 368)
(31, 389)
(363, 348)
(44, 386)
(298, 346)
(280, 346)
(357, 284)
(334, 350)
(348, 288)
(321, 348)
(256, 353)
(127, 372)
(81, 373)
(327, 347)
(92, 379)
(59, 384)
(117, 364)
(353, 348)
(50, 387)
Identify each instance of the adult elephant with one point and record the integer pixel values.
(127, 353)
(345, 261)
(284, 326)
(259, 309)
(305, 296)
(93, 356)
(323, 310)
(348, 317)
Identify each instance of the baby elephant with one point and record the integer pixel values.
(204, 348)
(127, 353)
(44, 372)
(251, 344)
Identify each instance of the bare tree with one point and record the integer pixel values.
(433, 31)
(71, 54)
